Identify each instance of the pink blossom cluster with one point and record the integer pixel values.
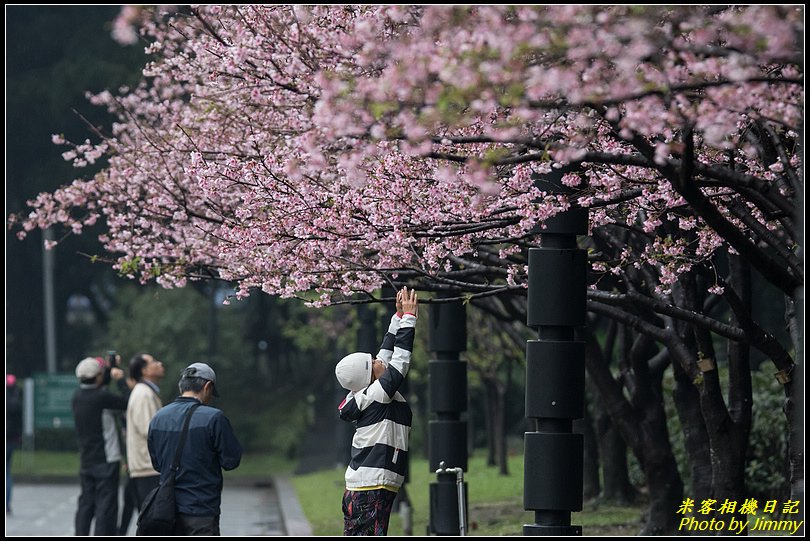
(330, 148)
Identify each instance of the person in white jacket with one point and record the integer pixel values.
(380, 443)
(144, 402)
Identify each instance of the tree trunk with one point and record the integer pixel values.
(696, 440)
(499, 432)
(726, 441)
(612, 449)
(490, 407)
(503, 453)
(616, 485)
(794, 403)
(660, 468)
(740, 395)
(496, 415)
(728, 438)
(665, 486)
(590, 480)
(794, 410)
(490, 423)
(643, 426)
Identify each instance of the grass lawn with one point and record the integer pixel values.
(55, 463)
(45, 463)
(495, 503)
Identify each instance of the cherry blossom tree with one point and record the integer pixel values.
(324, 151)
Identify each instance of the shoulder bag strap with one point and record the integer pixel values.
(179, 451)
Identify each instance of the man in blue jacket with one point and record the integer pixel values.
(210, 447)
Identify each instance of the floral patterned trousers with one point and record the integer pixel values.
(366, 512)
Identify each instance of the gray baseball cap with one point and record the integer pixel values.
(201, 370)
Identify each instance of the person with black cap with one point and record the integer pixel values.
(210, 447)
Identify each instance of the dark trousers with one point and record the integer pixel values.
(130, 506)
(143, 486)
(99, 499)
(366, 512)
(189, 525)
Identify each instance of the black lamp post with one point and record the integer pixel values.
(447, 436)
(555, 371)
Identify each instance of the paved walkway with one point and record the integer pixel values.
(269, 508)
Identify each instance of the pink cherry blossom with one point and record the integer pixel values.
(328, 147)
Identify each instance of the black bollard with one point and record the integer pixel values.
(447, 432)
(555, 371)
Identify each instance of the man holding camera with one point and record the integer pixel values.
(99, 446)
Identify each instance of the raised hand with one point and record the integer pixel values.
(399, 302)
(410, 303)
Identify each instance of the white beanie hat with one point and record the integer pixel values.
(88, 368)
(354, 371)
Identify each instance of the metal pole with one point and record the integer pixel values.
(461, 491)
(212, 322)
(447, 431)
(28, 421)
(49, 304)
(555, 371)
(462, 504)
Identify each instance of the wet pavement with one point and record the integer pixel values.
(247, 509)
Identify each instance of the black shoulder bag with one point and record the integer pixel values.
(159, 511)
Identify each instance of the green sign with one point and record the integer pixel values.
(53, 397)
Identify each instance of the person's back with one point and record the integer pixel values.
(210, 447)
(144, 403)
(95, 424)
(99, 448)
(198, 483)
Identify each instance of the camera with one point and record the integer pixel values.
(111, 363)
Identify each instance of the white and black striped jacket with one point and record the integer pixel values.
(380, 444)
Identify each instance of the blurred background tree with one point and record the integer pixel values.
(54, 55)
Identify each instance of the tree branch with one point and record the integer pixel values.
(632, 298)
(681, 180)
